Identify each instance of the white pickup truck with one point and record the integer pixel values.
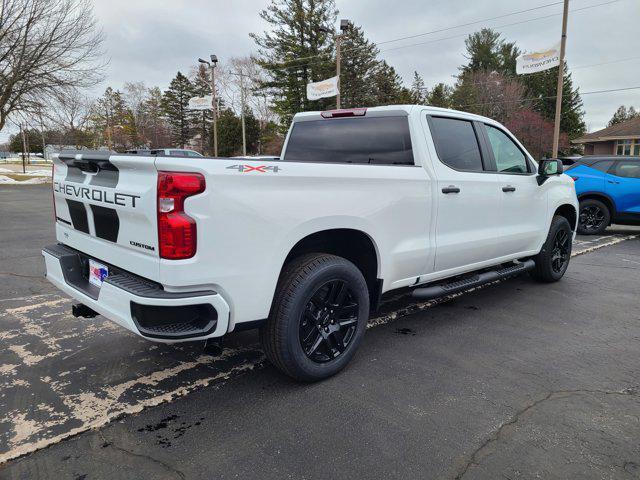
(361, 202)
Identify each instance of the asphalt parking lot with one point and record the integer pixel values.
(514, 380)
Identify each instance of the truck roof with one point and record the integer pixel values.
(393, 110)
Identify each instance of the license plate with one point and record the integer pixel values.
(97, 273)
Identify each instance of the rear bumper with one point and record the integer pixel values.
(137, 304)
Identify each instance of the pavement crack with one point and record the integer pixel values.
(166, 466)
(478, 453)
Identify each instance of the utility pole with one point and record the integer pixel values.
(556, 125)
(24, 148)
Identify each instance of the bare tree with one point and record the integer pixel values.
(48, 49)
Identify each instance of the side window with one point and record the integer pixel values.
(603, 166)
(509, 158)
(456, 143)
(628, 169)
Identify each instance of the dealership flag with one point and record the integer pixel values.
(201, 103)
(538, 61)
(322, 89)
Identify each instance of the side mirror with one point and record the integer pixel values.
(549, 167)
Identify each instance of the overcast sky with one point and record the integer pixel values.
(150, 40)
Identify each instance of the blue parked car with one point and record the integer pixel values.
(608, 188)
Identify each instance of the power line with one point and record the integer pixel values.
(593, 92)
(284, 65)
(502, 26)
(489, 82)
(607, 63)
(434, 31)
(539, 7)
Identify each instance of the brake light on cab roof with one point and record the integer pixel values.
(344, 112)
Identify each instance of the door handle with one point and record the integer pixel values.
(508, 188)
(451, 189)
(614, 182)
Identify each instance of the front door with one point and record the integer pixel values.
(524, 203)
(467, 195)
(622, 183)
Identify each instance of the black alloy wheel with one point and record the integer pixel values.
(329, 321)
(561, 251)
(592, 218)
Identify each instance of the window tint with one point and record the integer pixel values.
(509, 158)
(456, 143)
(375, 140)
(603, 165)
(628, 169)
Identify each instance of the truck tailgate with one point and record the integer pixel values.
(105, 206)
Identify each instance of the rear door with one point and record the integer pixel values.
(622, 183)
(523, 212)
(105, 207)
(467, 195)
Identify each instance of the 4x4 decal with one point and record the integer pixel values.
(251, 168)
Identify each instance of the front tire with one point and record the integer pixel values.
(553, 260)
(318, 318)
(594, 217)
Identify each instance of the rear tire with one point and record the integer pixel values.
(318, 318)
(553, 259)
(594, 217)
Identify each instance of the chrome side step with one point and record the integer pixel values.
(436, 291)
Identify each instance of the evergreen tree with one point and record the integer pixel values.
(229, 134)
(487, 51)
(295, 51)
(418, 91)
(113, 121)
(155, 128)
(542, 87)
(175, 101)
(622, 115)
(202, 87)
(440, 96)
(252, 128)
(387, 86)
(358, 65)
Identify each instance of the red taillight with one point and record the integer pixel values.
(346, 112)
(177, 231)
(575, 179)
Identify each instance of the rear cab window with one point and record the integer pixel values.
(383, 140)
(456, 143)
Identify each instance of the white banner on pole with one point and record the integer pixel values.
(201, 103)
(538, 61)
(323, 89)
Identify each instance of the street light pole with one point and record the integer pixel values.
(344, 26)
(214, 62)
(338, 39)
(556, 124)
(214, 102)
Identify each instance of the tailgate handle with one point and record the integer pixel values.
(86, 166)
